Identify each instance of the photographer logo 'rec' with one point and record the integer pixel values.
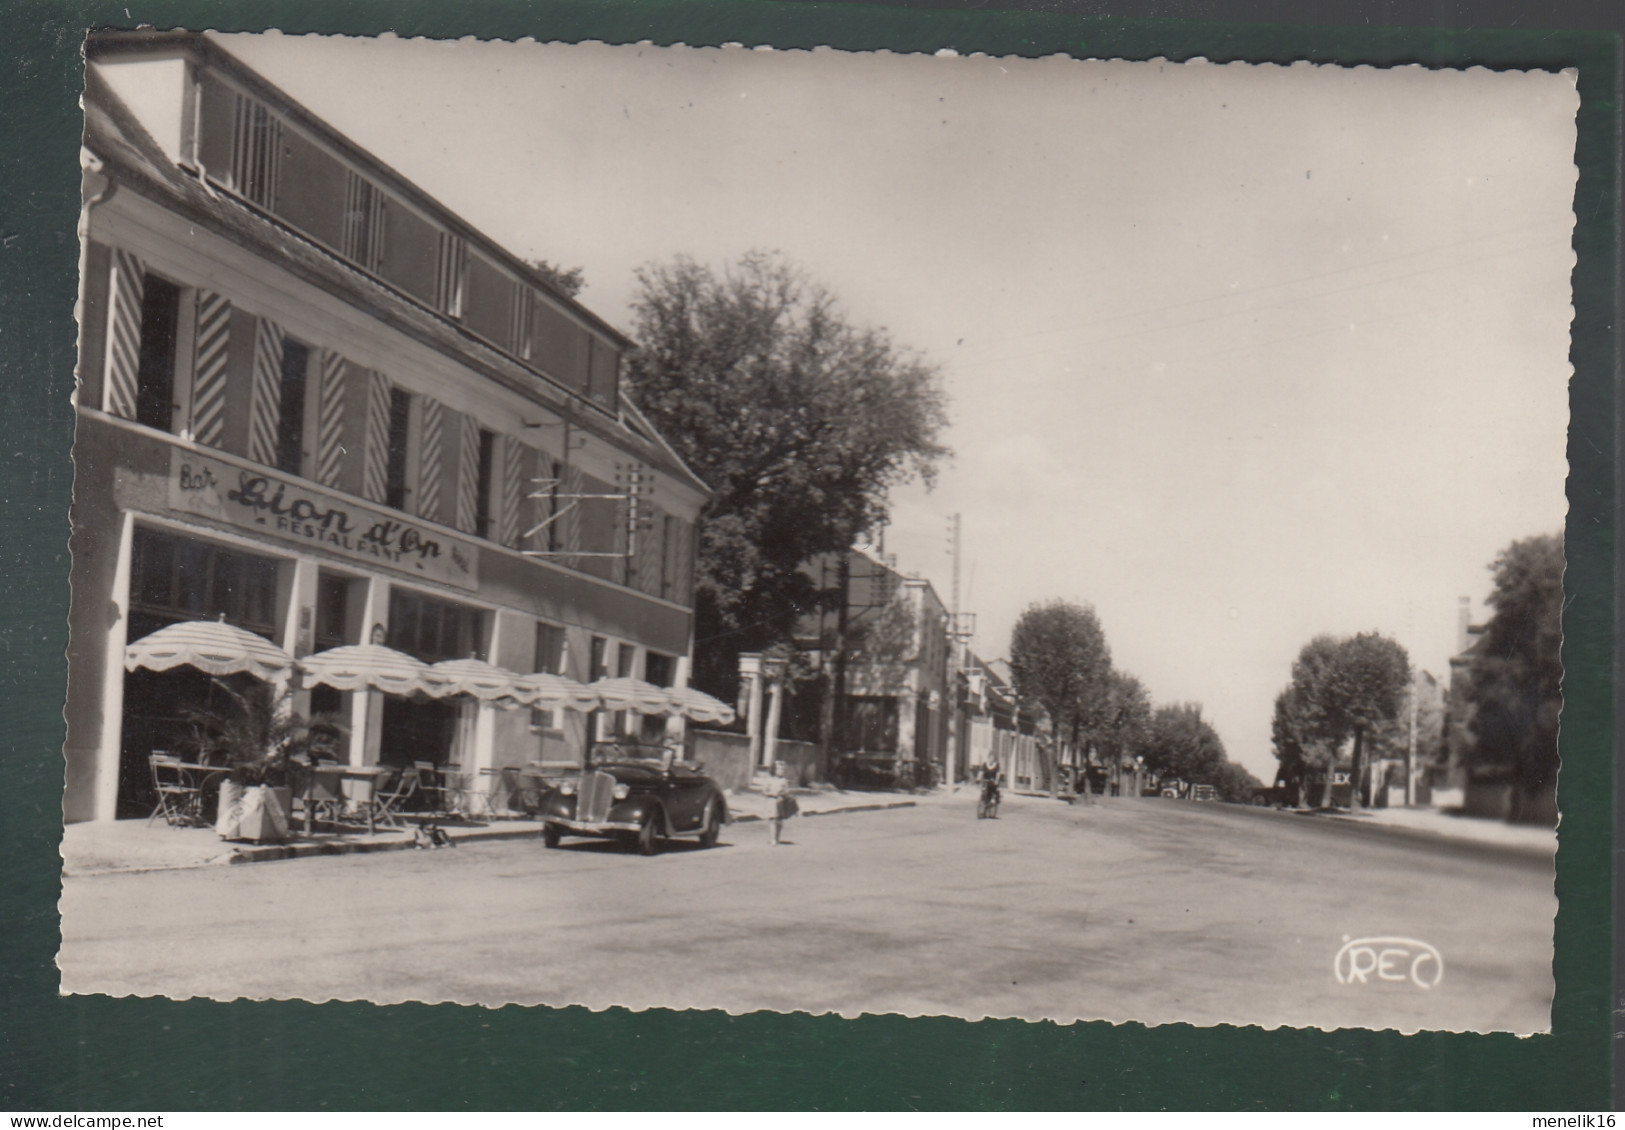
(1364, 961)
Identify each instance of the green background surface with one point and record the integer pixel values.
(87, 1054)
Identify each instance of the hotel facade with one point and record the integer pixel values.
(313, 402)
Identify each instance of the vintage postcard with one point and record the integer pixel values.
(730, 528)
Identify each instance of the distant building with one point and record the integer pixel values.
(315, 403)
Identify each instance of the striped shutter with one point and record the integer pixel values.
(431, 460)
(510, 490)
(650, 524)
(574, 483)
(209, 379)
(123, 334)
(265, 410)
(468, 472)
(375, 476)
(531, 510)
(682, 590)
(330, 420)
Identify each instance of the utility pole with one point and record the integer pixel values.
(956, 664)
(834, 711)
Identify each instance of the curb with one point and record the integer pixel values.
(272, 852)
(750, 817)
(1438, 837)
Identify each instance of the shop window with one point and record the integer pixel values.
(485, 488)
(155, 364)
(400, 418)
(332, 611)
(871, 724)
(661, 670)
(290, 435)
(549, 659)
(175, 578)
(433, 630)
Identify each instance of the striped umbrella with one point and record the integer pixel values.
(698, 706)
(547, 691)
(475, 677)
(634, 695)
(368, 665)
(212, 646)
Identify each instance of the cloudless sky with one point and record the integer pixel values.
(1235, 354)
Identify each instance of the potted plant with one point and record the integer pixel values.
(256, 736)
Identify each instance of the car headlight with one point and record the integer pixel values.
(568, 788)
(620, 792)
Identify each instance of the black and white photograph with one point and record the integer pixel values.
(731, 528)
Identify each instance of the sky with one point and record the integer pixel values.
(1235, 355)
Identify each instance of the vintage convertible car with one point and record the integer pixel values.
(640, 799)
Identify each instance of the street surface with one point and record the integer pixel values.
(1148, 910)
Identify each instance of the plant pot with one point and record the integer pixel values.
(255, 814)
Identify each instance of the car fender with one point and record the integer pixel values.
(634, 809)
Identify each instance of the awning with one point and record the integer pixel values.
(212, 646)
(547, 691)
(365, 666)
(634, 695)
(697, 706)
(474, 677)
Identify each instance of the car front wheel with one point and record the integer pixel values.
(712, 826)
(646, 842)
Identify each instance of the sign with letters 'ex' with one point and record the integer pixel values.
(252, 499)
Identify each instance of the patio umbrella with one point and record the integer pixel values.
(697, 706)
(634, 695)
(367, 665)
(212, 646)
(547, 691)
(475, 677)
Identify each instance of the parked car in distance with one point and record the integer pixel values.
(1204, 792)
(625, 793)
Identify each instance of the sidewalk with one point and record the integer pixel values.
(1449, 825)
(112, 847)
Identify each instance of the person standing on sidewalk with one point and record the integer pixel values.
(777, 789)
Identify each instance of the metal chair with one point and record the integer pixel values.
(364, 796)
(179, 798)
(393, 792)
(441, 785)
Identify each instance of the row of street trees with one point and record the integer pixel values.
(1059, 659)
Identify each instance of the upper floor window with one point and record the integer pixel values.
(363, 222)
(400, 419)
(290, 439)
(432, 629)
(155, 364)
(256, 148)
(485, 521)
(451, 275)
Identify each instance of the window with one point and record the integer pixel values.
(174, 578)
(451, 275)
(668, 556)
(871, 724)
(598, 668)
(661, 670)
(624, 654)
(332, 611)
(363, 222)
(485, 488)
(290, 436)
(155, 365)
(400, 417)
(549, 659)
(432, 629)
(256, 149)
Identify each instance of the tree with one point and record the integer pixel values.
(567, 282)
(798, 420)
(1341, 689)
(1516, 673)
(1304, 740)
(1125, 724)
(1059, 660)
(1184, 745)
(1236, 784)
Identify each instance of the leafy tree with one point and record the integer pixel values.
(1305, 743)
(799, 421)
(1236, 784)
(1060, 661)
(1517, 670)
(1125, 723)
(1184, 745)
(567, 282)
(1341, 689)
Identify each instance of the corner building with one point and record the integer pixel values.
(314, 402)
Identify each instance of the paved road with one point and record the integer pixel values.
(1146, 910)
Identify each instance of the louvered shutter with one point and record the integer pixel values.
(431, 460)
(265, 407)
(330, 420)
(468, 472)
(123, 334)
(375, 456)
(510, 490)
(209, 378)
